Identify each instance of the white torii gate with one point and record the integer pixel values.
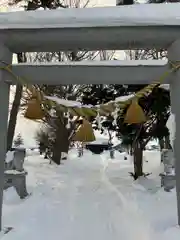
(110, 28)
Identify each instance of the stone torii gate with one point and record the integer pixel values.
(111, 28)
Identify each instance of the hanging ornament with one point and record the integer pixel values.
(135, 114)
(34, 110)
(85, 133)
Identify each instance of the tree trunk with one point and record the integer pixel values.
(138, 161)
(13, 116)
(15, 109)
(56, 150)
(164, 144)
(61, 143)
(161, 143)
(64, 147)
(167, 143)
(131, 151)
(56, 157)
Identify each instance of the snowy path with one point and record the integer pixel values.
(75, 201)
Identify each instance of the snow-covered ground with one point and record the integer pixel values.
(91, 197)
(88, 198)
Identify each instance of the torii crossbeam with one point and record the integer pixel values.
(94, 72)
(110, 28)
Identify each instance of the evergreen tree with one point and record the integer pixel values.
(156, 107)
(124, 2)
(18, 140)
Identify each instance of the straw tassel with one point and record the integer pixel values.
(34, 110)
(135, 114)
(85, 133)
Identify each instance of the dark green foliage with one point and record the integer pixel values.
(18, 140)
(160, 131)
(98, 94)
(44, 138)
(127, 140)
(108, 123)
(35, 4)
(125, 2)
(155, 105)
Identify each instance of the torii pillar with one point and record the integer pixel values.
(174, 57)
(6, 56)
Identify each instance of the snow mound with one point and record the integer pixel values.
(92, 197)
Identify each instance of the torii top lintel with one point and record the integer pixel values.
(123, 27)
